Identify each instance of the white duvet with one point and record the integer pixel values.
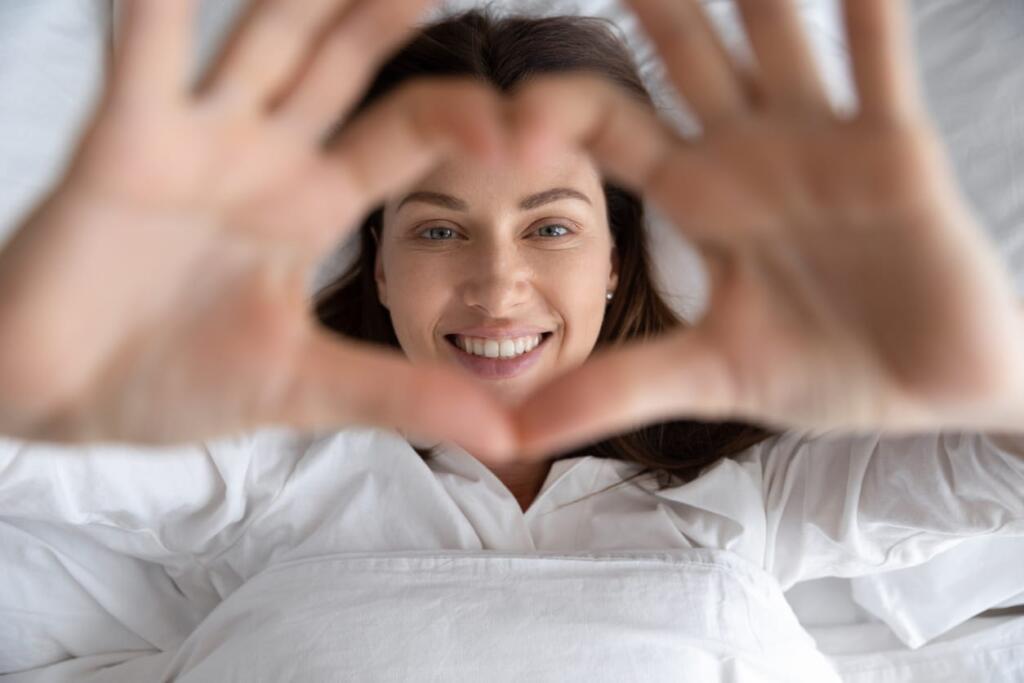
(281, 556)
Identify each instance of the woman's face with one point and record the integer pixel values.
(500, 272)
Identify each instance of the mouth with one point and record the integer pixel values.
(496, 367)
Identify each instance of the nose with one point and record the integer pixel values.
(498, 280)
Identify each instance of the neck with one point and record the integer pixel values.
(523, 480)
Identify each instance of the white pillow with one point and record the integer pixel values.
(921, 603)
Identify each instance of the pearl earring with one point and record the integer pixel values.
(610, 295)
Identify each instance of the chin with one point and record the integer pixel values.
(517, 392)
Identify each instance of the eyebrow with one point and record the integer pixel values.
(447, 201)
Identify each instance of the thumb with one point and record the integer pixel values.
(678, 375)
(343, 382)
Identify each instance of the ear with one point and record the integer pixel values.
(378, 275)
(613, 278)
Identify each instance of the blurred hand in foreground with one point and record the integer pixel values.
(851, 288)
(159, 294)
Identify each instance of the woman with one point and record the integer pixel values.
(585, 287)
(834, 349)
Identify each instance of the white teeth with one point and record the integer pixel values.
(494, 348)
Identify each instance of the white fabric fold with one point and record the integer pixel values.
(207, 520)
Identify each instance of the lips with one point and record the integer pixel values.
(498, 368)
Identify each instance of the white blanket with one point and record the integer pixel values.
(475, 617)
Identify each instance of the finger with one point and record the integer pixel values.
(884, 67)
(634, 148)
(386, 148)
(674, 377)
(550, 113)
(152, 57)
(694, 56)
(274, 42)
(787, 69)
(347, 61)
(343, 383)
(269, 43)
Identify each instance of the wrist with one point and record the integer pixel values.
(1012, 420)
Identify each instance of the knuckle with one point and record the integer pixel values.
(435, 104)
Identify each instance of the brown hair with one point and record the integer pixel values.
(505, 51)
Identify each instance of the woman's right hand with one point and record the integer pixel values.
(159, 294)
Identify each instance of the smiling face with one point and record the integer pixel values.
(476, 265)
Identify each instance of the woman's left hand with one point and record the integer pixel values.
(851, 288)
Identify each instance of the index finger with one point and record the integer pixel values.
(397, 140)
(633, 145)
(347, 382)
(386, 147)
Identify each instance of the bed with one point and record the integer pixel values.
(956, 618)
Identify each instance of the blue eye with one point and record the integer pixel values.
(438, 233)
(443, 234)
(555, 226)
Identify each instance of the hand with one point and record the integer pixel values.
(159, 294)
(850, 286)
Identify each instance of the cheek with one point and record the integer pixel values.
(418, 291)
(575, 289)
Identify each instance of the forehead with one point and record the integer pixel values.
(503, 187)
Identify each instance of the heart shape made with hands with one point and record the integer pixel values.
(850, 286)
